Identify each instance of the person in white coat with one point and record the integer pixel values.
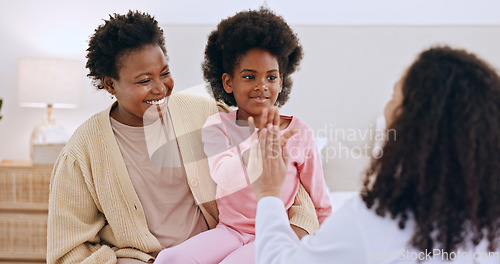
(432, 197)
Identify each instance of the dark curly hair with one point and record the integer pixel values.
(443, 169)
(117, 36)
(246, 30)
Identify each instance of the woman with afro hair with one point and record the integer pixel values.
(248, 62)
(433, 197)
(133, 178)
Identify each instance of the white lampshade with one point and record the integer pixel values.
(49, 81)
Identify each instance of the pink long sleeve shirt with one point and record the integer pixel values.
(224, 144)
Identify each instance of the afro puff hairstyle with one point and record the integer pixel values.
(246, 30)
(117, 36)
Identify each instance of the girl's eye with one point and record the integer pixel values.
(165, 73)
(248, 77)
(144, 81)
(272, 78)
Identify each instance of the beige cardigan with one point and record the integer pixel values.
(95, 215)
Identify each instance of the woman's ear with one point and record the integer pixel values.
(109, 84)
(227, 82)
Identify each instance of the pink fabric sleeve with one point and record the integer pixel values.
(311, 173)
(226, 166)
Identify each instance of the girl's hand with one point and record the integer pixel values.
(269, 115)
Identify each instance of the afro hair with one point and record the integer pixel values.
(246, 30)
(117, 36)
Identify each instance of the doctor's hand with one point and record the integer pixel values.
(269, 156)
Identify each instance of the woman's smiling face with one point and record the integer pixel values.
(144, 80)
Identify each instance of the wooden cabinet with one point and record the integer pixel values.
(24, 195)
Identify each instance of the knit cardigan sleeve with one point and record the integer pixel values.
(302, 213)
(94, 214)
(74, 220)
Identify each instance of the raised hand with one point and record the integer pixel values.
(269, 115)
(269, 156)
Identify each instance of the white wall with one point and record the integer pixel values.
(348, 75)
(354, 52)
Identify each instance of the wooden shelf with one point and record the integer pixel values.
(21, 164)
(15, 163)
(24, 195)
(23, 256)
(24, 207)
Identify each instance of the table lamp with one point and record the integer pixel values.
(49, 83)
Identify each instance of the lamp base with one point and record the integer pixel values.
(47, 140)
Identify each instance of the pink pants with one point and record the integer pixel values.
(222, 244)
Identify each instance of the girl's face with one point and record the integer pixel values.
(392, 107)
(143, 81)
(255, 83)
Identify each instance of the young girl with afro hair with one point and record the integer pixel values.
(248, 62)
